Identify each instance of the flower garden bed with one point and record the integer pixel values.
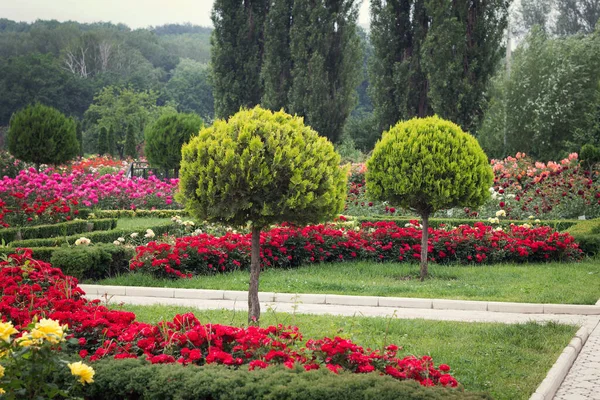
(287, 246)
(31, 288)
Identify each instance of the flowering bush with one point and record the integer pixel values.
(94, 164)
(32, 288)
(34, 198)
(522, 187)
(30, 359)
(289, 246)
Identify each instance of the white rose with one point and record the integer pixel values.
(134, 235)
(500, 213)
(117, 243)
(82, 241)
(121, 239)
(149, 233)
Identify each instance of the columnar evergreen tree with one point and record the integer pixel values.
(236, 54)
(103, 141)
(261, 168)
(79, 134)
(42, 135)
(326, 56)
(426, 165)
(110, 142)
(277, 64)
(130, 149)
(434, 56)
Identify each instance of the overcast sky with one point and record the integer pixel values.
(135, 13)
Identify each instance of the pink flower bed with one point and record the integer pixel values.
(29, 288)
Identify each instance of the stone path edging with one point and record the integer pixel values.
(561, 367)
(335, 299)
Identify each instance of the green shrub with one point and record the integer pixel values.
(587, 235)
(261, 168)
(136, 379)
(42, 135)
(426, 165)
(93, 262)
(96, 237)
(165, 137)
(52, 230)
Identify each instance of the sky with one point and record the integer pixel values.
(134, 13)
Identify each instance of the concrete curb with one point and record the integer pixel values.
(561, 367)
(335, 299)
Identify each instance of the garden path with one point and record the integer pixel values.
(581, 383)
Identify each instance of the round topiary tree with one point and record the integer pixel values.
(42, 135)
(261, 168)
(427, 165)
(165, 137)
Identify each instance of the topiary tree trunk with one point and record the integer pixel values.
(253, 303)
(424, 243)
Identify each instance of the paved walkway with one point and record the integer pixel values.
(581, 383)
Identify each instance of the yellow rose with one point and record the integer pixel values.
(2, 391)
(1, 371)
(50, 330)
(7, 329)
(28, 341)
(84, 372)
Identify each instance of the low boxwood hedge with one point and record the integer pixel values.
(39, 253)
(587, 234)
(136, 379)
(139, 213)
(559, 224)
(9, 235)
(93, 262)
(96, 237)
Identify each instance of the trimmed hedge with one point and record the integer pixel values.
(95, 237)
(39, 253)
(136, 379)
(9, 235)
(139, 213)
(559, 225)
(587, 234)
(93, 262)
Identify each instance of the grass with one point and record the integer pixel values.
(574, 283)
(507, 361)
(137, 223)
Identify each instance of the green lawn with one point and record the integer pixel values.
(137, 223)
(575, 283)
(507, 361)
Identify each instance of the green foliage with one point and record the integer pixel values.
(138, 379)
(276, 70)
(577, 16)
(31, 77)
(165, 137)
(589, 155)
(119, 109)
(425, 52)
(191, 89)
(42, 135)
(587, 235)
(261, 167)
(130, 147)
(363, 129)
(93, 262)
(62, 229)
(103, 141)
(429, 164)
(79, 135)
(39, 253)
(236, 54)
(326, 54)
(549, 105)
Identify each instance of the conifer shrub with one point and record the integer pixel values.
(425, 165)
(261, 168)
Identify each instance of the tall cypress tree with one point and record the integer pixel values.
(276, 71)
(434, 56)
(236, 54)
(103, 141)
(326, 56)
(130, 149)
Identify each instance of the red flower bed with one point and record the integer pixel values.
(33, 288)
(288, 246)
